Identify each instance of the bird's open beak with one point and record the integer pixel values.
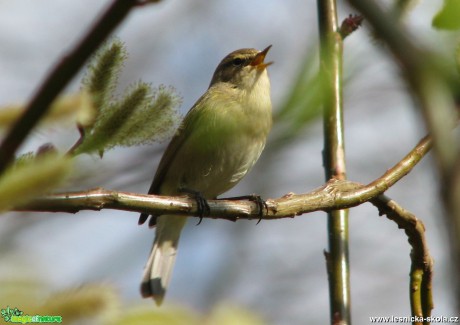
(258, 61)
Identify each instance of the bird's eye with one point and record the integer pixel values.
(237, 62)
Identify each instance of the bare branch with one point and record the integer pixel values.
(337, 257)
(331, 196)
(421, 272)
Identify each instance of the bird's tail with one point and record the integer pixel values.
(159, 267)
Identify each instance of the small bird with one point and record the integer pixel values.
(217, 143)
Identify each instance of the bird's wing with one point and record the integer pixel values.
(171, 151)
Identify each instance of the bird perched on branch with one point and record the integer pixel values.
(218, 142)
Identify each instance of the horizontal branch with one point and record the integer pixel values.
(332, 196)
(100, 198)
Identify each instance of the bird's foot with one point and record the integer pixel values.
(201, 202)
(261, 204)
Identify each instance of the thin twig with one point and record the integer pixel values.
(60, 76)
(350, 24)
(421, 261)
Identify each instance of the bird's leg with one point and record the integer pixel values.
(261, 204)
(202, 204)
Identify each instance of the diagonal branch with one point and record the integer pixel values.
(61, 75)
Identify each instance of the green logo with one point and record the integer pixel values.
(14, 315)
(8, 313)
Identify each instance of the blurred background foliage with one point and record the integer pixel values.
(101, 304)
(276, 270)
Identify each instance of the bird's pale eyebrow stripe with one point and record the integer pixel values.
(244, 58)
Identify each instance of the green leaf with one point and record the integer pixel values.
(32, 177)
(448, 17)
